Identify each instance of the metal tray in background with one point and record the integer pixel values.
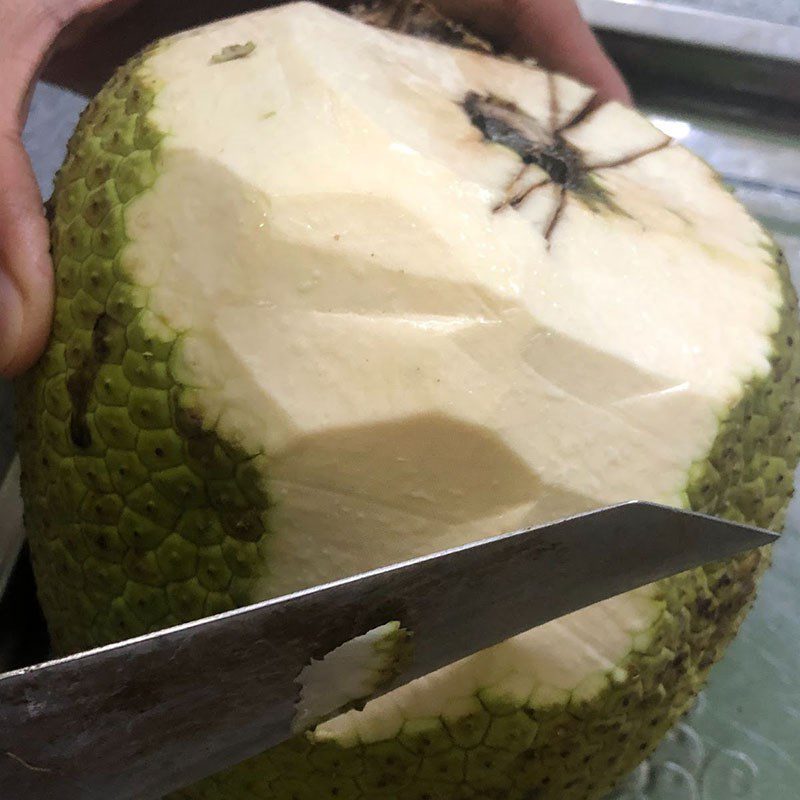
(727, 86)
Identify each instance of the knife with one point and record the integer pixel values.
(138, 719)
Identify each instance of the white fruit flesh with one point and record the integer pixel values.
(572, 657)
(350, 672)
(417, 363)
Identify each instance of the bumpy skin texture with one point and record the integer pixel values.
(139, 518)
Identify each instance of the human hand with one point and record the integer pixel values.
(29, 31)
(77, 43)
(551, 31)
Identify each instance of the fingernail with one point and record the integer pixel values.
(10, 321)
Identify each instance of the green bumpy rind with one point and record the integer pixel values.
(139, 518)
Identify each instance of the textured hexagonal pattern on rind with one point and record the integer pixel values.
(132, 506)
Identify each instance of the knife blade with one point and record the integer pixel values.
(144, 717)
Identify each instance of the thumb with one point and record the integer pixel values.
(551, 31)
(26, 280)
(555, 32)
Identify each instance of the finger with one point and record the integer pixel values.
(551, 31)
(556, 33)
(26, 290)
(26, 279)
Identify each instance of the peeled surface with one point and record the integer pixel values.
(349, 674)
(330, 297)
(361, 317)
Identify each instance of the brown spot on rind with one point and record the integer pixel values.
(81, 381)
